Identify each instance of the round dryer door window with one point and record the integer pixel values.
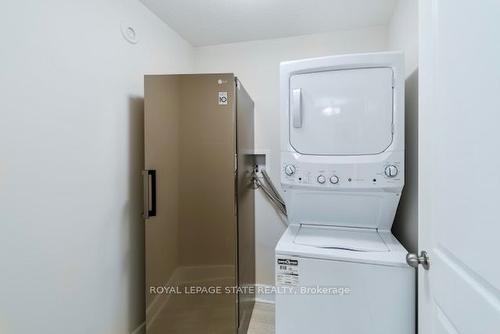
(342, 112)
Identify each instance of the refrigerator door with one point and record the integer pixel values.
(191, 240)
(246, 206)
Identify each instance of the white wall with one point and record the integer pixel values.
(256, 63)
(403, 35)
(71, 148)
(403, 32)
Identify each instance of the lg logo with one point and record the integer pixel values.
(222, 98)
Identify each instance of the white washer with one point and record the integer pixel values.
(342, 154)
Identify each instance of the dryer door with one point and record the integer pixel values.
(341, 112)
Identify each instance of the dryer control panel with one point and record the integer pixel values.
(388, 173)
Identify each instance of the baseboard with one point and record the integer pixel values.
(261, 296)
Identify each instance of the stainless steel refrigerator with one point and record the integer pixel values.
(198, 204)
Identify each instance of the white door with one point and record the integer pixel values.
(459, 175)
(342, 112)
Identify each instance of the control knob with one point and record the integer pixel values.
(290, 170)
(321, 179)
(334, 179)
(391, 171)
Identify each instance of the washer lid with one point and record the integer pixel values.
(353, 239)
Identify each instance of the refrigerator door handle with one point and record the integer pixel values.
(149, 193)
(297, 107)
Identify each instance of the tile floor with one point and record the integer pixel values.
(262, 321)
(209, 314)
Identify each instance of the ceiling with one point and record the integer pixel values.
(208, 22)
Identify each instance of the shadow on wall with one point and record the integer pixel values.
(136, 265)
(405, 226)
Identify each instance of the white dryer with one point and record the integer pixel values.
(338, 267)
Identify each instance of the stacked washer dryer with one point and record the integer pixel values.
(342, 143)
